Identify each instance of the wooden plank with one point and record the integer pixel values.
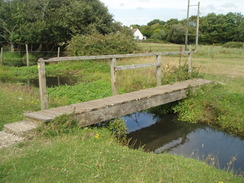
(42, 85)
(135, 66)
(99, 57)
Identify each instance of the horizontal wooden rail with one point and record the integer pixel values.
(99, 57)
(135, 66)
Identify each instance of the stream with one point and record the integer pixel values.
(167, 134)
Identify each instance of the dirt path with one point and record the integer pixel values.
(7, 139)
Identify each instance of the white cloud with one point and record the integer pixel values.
(142, 11)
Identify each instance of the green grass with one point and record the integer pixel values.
(80, 156)
(93, 155)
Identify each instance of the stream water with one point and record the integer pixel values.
(167, 134)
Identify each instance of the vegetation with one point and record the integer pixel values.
(45, 24)
(214, 29)
(93, 155)
(62, 150)
(98, 44)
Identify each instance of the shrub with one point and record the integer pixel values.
(98, 44)
(12, 59)
(234, 45)
(32, 59)
(60, 125)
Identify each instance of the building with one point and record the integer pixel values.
(138, 35)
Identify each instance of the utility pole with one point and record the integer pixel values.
(197, 29)
(187, 24)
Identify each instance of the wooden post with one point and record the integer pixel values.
(1, 56)
(181, 49)
(113, 76)
(58, 51)
(158, 69)
(190, 61)
(42, 84)
(27, 55)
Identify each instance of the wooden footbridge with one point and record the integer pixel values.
(95, 111)
(91, 112)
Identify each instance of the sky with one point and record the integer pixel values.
(141, 12)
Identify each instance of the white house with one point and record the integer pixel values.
(138, 35)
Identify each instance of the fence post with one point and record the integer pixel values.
(113, 76)
(190, 61)
(1, 56)
(181, 49)
(58, 51)
(42, 84)
(27, 55)
(158, 69)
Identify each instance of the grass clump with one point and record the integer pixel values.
(15, 99)
(214, 106)
(93, 155)
(60, 125)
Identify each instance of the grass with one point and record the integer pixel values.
(93, 155)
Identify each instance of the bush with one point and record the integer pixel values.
(12, 59)
(97, 44)
(32, 59)
(234, 45)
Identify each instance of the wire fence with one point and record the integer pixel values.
(26, 58)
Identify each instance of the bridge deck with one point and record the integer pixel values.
(99, 110)
(95, 111)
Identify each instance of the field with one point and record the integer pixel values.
(94, 154)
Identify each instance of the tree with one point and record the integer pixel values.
(156, 21)
(176, 34)
(48, 23)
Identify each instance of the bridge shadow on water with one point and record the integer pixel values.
(167, 134)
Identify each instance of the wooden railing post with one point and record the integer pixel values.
(158, 69)
(190, 60)
(1, 56)
(42, 84)
(58, 52)
(113, 76)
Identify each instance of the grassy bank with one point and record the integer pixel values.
(93, 155)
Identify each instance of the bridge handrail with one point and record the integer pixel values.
(114, 68)
(78, 58)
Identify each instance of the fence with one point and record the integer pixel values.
(27, 57)
(114, 68)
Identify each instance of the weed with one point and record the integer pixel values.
(60, 125)
(118, 127)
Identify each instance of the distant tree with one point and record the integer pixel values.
(156, 21)
(176, 34)
(48, 23)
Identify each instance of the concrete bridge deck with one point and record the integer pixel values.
(95, 111)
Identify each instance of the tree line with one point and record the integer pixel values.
(213, 29)
(46, 24)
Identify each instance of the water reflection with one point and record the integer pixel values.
(54, 81)
(190, 140)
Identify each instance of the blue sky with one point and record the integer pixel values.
(143, 11)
